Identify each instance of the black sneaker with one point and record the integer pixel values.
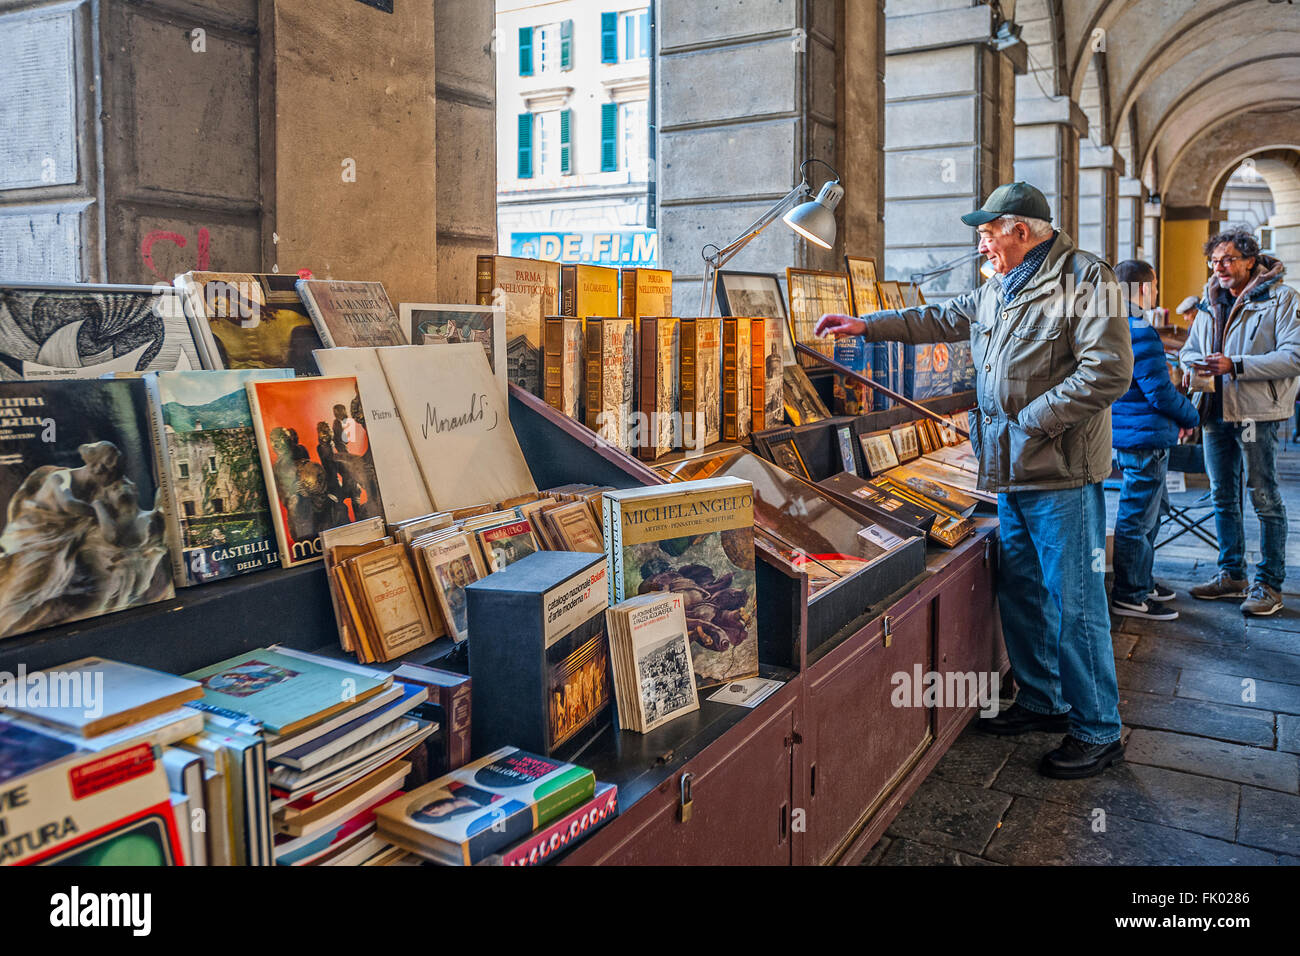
(1162, 594)
(1075, 759)
(1147, 610)
(1019, 720)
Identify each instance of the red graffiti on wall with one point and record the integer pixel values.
(202, 248)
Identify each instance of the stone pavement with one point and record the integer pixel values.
(1211, 707)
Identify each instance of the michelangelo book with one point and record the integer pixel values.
(696, 539)
(218, 516)
(529, 289)
(351, 314)
(84, 531)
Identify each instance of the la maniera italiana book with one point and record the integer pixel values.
(539, 656)
(84, 531)
(695, 539)
(484, 806)
(530, 290)
(218, 517)
(588, 290)
(351, 314)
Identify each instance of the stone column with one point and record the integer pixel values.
(1151, 234)
(1047, 154)
(1100, 168)
(949, 135)
(1130, 243)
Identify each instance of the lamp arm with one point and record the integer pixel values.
(719, 258)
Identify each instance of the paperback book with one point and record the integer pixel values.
(588, 290)
(653, 676)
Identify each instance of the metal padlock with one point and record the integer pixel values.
(684, 808)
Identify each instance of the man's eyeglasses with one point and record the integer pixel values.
(1225, 261)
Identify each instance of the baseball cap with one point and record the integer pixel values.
(1015, 199)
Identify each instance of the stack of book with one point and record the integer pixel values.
(510, 807)
(651, 653)
(326, 737)
(87, 773)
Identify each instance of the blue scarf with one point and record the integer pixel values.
(1017, 278)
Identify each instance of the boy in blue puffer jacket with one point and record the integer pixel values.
(1146, 421)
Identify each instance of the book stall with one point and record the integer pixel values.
(552, 575)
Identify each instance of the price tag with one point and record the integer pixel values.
(1175, 482)
(879, 536)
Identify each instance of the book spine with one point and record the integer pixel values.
(191, 295)
(569, 830)
(455, 703)
(569, 290)
(758, 380)
(647, 386)
(690, 418)
(268, 475)
(627, 307)
(486, 280)
(730, 375)
(166, 485)
(595, 369)
(553, 361)
(314, 313)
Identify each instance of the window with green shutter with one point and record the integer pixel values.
(608, 137)
(525, 145)
(525, 51)
(566, 138)
(609, 38)
(566, 45)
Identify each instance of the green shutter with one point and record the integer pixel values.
(525, 145)
(525, 51)
(609, 38)
(566, 45)
(566, 125)
(608, 137)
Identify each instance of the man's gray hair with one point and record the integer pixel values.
(1038, 228)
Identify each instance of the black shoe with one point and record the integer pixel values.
(1075, 759)
(1162, 594)
(1147, 610)
(1017, 720)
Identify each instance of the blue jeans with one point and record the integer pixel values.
(1055, 615)
(1137, 522)
(1226, 444)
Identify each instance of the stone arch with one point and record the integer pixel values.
(1280, 169)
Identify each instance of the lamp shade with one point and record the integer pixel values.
(815, 219)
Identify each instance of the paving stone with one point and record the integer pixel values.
(1288, 733)
(953, 815)
(1152, 794)
(1287, 619)
(1213, 758)
(1270, 820)
(1123, 643)
(1201, 622)
(1220, 660)
(1230, 688)
(975, 758)
(1197, 717)
(876, 852)
(1271, 639)
(1149, 678)
(1038, 833)
(910, 853)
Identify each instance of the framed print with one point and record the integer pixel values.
(924, 435)
(786, 454)
(911, 294)
(862, 284)
(802, 403)
(891, 296)
(429, 323)
(844, 445)
(812, 295)
(905, 442)
(756, 294)
(878, 454)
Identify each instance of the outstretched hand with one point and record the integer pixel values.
(839, 326)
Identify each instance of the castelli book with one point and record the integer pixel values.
(700, 363)
(695, 539)
(658, 423)
(588, 290)
(565, 359)
(646, 292)
(84, 530)
(245, 320)
(316, 460)
(219, 520)
(737, 376)
(529, 289)
(611, 378)
(539, 657)
(88, 331)
(351, 314)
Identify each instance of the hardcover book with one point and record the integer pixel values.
(432, 324)
(853, 398)
(647, 292)
(588, 290)
(652, 661)
(696, 539)
(659, 418)
(566, 832)
(219, 520)
(611, 379)
(565, 359)
(758, 374)
(331, 483)
(575, 528)
(450, 705)
(84, 532)
(243, 320)
(528, 289)
(401, 487)
(351, 314)
(87, 331)
(701, 391)
(773, 375)
(539, 658)
(737, 378)
(491, 803)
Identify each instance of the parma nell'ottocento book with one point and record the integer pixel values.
(84, 532)
(530, 290)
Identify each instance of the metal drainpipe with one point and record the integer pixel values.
(652, 134)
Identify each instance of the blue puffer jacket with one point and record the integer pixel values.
(1149, 414)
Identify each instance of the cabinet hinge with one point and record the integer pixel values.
(889, 630)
